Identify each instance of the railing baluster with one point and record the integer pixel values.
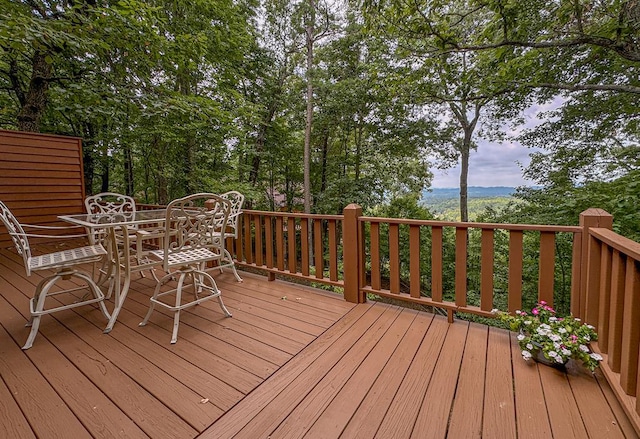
(318, 253)
(547, 267)
(292, 257)
(461, 266)
(333, 251)
(616, 310)
(279, 243)
(248, 254)
(515, 270)
(394, 258)
(257, 221)
(375, 256)
(436, 263)
(486, 270)
(605, 297)
(268, 237)
(414, 260)
(239, 245)
(304, 246)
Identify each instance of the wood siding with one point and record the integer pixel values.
(41, 177)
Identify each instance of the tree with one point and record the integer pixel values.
(454, 90)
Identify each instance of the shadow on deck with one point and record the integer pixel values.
(292, 362)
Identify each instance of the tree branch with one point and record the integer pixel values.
(629, 53)
(584, 87)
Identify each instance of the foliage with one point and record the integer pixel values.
(558, 338)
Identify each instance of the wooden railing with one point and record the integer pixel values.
(293, 244)
(613, 307)
(347, 251)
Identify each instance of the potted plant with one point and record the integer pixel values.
(550, 339)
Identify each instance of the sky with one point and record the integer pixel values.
(491, 164)
(495, 164)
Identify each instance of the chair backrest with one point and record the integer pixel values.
(194, 225)
(18, 236)
(107, 202)
(236, 199)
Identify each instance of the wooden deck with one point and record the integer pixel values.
(292, 362)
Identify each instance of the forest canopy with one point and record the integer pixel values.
(315, 105)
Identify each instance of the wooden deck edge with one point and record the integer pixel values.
(627, 402)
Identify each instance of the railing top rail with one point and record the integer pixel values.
(471, 225)
(293, 214)
(618, 242)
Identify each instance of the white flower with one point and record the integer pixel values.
(583, 348)
(553, 319)
(529, 346)
(555, 337)
(566, 352)
(557, 345)
(562, 330)
(577, 319)
(518, 312)
(552, 354)
(559, 359)
(495, 310)
(587, 338)
(590, 327)
(520, 337)
(526, 355)
(527, 322)
(596, 357)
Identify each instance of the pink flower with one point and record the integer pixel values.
(535, 311)
(542, 302)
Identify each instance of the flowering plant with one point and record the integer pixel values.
(558, 339)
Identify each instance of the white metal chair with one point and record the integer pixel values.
(198, 239)
(231, 231)
(237, 200)
(65, 263)
(111, 202)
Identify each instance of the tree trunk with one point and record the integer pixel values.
(307, 129)
(128, 170)
(35, 99)
(464, 175)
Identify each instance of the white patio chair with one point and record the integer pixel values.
(65, 263)
(231, 231)
(198, 239)
(111, 202)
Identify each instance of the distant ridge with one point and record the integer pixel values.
(473, 191)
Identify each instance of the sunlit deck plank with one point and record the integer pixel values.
(466, 414)
(332, 421)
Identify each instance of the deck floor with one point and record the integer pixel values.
(292, 362)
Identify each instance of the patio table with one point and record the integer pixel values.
(118, 265)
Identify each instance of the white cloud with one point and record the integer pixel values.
(494, 164)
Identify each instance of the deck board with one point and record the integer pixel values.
(292, 362)
(466, 414)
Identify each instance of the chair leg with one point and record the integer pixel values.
(176, 314)
(233, 265)
(155, 296)
(215, 291)
(37, 305)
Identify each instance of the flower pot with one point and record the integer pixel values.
(539, 357)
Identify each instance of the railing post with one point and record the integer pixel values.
(352, 254)
(586, 303)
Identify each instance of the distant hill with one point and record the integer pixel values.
(444, 202)
(474, 192)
